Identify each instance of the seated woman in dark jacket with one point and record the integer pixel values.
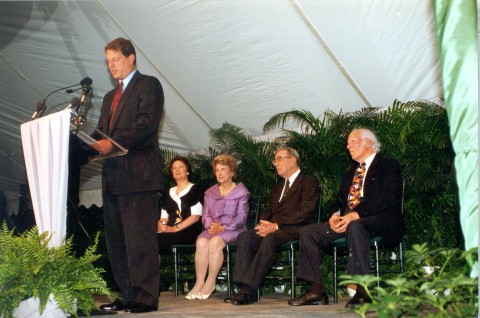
(182, 208)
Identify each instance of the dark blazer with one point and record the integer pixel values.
(190, 199)
(382, 196)
(135, 127)
(299, 205)
(256, 254)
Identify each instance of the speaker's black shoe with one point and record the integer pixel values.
(137, 308)
(309, 299)
(117, 304)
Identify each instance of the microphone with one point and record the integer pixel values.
(87, 81)
(41, 107)
(74, 103)
(39, 111)
(85, 90)
(76, 119)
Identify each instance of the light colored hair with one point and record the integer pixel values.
(226, 160)
(291, 152)
(369, 135)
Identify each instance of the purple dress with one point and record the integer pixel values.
(231, 211)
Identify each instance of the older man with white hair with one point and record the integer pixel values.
(367, 205)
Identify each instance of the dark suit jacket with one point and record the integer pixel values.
(382, 196)
(135, 127)
(298, 207)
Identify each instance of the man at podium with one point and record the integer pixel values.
(130, 116)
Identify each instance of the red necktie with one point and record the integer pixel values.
(116, 99)
(356, 187)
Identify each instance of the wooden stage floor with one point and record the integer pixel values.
(274, 305)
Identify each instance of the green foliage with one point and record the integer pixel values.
(414, 133)
(30, 268)
(321, 146)
(255, 168)
(434, 285)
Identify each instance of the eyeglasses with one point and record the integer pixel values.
(280, 158)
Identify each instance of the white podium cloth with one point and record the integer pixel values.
(45, 149)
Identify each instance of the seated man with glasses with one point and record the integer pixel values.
(293, 203)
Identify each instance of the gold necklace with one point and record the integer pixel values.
(181, 189)
(224, 193)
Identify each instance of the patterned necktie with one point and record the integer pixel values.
(116, 99)
(287, 187)
(356, 187)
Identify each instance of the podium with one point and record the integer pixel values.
(45, 144)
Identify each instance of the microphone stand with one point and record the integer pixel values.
(82, 120)
(41, 107)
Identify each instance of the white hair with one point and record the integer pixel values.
(368, 134)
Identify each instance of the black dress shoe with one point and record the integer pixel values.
(357, 300)
(309, 299)
(243, 298)
(118, 304)
(137, 308)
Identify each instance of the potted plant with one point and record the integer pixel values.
(32, 271)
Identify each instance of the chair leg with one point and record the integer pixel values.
(292, 268)
(176, 270)
(229, 276)
(377, 263)
(335, 273)
(400, 249)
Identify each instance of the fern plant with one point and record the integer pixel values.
(29, 267)
(445, 289)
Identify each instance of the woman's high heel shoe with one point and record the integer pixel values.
(191, 296)
(205, 296)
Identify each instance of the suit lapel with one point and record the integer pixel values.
(372, 171)
(293, 188)
(106, 113)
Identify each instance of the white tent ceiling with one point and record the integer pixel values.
(236, 61)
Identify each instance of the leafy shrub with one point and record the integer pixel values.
(436, 283)
(29, 267)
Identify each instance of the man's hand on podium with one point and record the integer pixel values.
(103, 146)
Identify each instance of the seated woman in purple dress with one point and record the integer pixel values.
(225, 214)
(182, 208)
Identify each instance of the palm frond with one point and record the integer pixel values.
(304, 118)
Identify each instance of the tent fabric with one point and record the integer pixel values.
(456, 23)
(88, 198)
(237, 61)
